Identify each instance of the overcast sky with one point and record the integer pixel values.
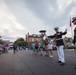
(18, 17)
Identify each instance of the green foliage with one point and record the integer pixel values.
(20, 42)
(68, 40)
(70, 47)
(1, 42)
(20, 39)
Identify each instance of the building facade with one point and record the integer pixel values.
(33, 38)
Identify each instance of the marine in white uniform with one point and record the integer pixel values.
(74, 41)
(60, 44)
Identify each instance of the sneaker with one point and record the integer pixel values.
(58, 61)
(51, 56)
(62, 63)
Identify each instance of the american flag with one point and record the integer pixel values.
(70, 23)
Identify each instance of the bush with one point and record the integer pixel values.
(1, 42)
(70, 47)
(20, 42)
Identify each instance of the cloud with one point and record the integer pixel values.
(62, 4)
(51, 11)
(26, 17)
(22, 16)
(8, 22)
(7, 38)
(73, 12)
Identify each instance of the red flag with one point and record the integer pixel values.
(70, 23)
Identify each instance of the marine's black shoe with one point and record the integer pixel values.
(58, 61)
(62, 63)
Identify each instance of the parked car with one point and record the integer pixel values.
(10, 47)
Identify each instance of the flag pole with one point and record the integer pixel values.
(71, 28)
(71, 32)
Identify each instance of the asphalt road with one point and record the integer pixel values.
(26, 63)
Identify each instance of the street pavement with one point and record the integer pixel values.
(26, 63)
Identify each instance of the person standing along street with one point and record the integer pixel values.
(42, 43)
(14, 48)
(74, 41)
(1, 48)
(46, 47)
(7, 47)
(50, 46)
(36, 46)
(60, 45)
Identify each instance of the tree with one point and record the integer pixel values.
(1, 42)
(20, 42)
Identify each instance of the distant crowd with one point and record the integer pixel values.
(43, 45)
(4, 48)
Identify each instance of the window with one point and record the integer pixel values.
(32, 39)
